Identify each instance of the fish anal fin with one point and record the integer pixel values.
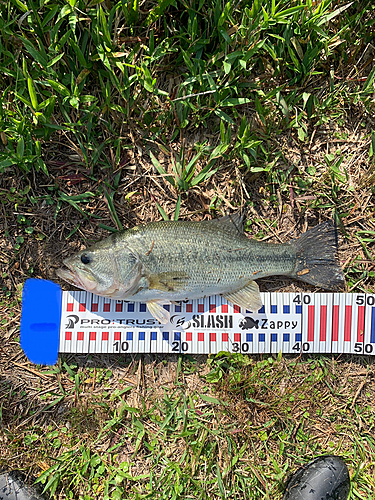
(247, 297)
(158, 311)
(170, 281)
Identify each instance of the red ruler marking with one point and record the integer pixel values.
(237, 337)
(189, 336)
(310, 326)
(106, 307)
(68, 335)
(92, 335)
(119, 307)
(69, 307)
(323, 323)
(335, 324)
(213, 337)
(361, 323)
(105, 335)
(117, 335)
(212, 308)
(189, 308)
(200, 337)
(225, 337)
(236, 309)
(200, 308)
(82, 307)
(79, 335)
(94, 307)
(348, 323)
(224, 308)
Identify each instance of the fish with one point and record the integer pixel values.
(168, 261)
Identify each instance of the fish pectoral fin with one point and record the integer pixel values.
(170, 281)
(247, 297)
(158, 311)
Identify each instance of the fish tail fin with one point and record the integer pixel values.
(316, 257)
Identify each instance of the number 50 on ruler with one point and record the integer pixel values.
(339, 322)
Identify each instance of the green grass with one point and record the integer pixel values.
(118, 113)
(88, 69)
(245, 426)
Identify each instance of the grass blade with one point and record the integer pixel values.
(112, 209)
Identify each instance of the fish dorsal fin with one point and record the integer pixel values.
(233, 223)
(247, 297)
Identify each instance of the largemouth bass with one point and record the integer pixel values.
(175, 260)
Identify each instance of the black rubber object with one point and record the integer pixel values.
(15, 486)
(325, 478)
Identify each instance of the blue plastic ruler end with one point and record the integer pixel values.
(40, 321)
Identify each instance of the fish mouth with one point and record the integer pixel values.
(71, 276)
(67, 275)
(86, 282)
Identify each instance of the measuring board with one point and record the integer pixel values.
(54, 321)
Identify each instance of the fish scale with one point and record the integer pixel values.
(193, 248)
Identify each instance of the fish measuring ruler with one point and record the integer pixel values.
(53, 321)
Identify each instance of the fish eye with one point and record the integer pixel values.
(85, 259)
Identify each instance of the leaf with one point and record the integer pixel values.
(39, 58)
(161, 170)
(210, 399)
(227, 67)
(235, 101)
(324, 19)
(42, 166)
(203, 175)
(6, 163)
(224, 15)
(157, 11)
(371, 152)
(177, 209)
(20, 148)
(288, 12)
(253, 50)
(55, 60)
(104, 25)
(20, 5)
(112, 209)
(223, 116)
(66, 10)
(162, 211)
(79, 53)
(71, 201)
(218, 151)
(370, 79)
(190, 168)
(220, 482)
(282, 103)
(82, 76)
(32, 93)
(59, 87)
